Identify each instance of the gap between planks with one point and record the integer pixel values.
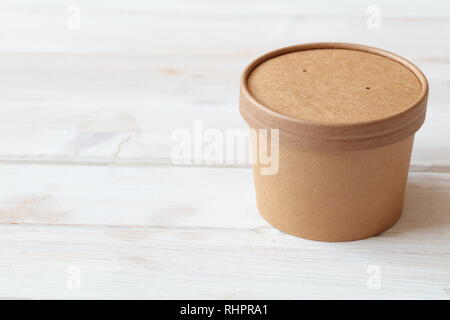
(162, 162)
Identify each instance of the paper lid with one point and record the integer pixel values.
(334, 96)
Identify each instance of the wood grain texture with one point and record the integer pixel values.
(153, 262)
(163, 196)
(76, 95)
(87, 179)
(184, 240)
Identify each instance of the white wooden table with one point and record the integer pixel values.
(91, 205)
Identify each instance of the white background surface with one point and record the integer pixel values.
(91, 205)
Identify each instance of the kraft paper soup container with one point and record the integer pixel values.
(346, 116)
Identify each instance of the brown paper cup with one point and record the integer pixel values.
(336, 181)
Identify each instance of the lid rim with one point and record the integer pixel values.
(252, 110)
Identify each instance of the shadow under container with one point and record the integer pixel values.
(346, 115)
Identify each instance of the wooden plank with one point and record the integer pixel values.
(403, 8)
(38, 261)
(141, 196)
(87, 106)
(184, 34)
(163, 196)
